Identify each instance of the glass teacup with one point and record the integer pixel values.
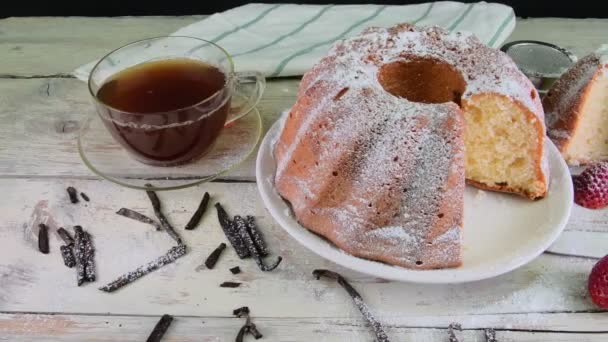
(174, 134)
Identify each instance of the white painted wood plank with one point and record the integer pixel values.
(591, 220)
(581, 36)
(43, 46)
(30, 281)
(40, 118)
(52, 45)
(40, 327)
(581, 243)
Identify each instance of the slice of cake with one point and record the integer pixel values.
(576, 109)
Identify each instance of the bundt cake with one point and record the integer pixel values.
(372, 154)
(577, 110)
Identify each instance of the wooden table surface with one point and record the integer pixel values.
(40, 109)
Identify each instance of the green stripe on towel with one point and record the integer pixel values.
(240, 27)
(283, 63)
(501, 28)
(426, 14)
(461, 18)
(298, 29)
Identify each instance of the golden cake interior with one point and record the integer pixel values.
(500, 154)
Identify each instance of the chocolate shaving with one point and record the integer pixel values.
(235, 270)
(451, 333)
(490, 335)
(358, 300)
(68, 256)
(43, 238)
(214, 256)
(65, 236)
(198, 214)
(256, 236)
(134, 215)
(84, 196)
(231, 284)
(249, 327)
(84, 253)
(73, 194)
(125, 279)
(241, 226)
(160, 329)
(231, 233)
(161, 217)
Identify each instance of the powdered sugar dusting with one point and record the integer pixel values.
(393, 232)
(485, 70)
(450, 235)
(369, 317)
(381, 176)
(564, 100)
(565, 92)
(602, 53)
(169, 257)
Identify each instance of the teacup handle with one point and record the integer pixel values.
(248, 90)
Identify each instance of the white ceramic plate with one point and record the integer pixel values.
(501, 232)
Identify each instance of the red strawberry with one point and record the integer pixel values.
(598, 283)
(591, 187)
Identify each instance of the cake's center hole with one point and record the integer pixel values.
(423, 80)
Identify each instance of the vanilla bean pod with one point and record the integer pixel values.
(85, 197)
(161, 217)
(230, 284)
(214, 256)
(43, 238)
(65, 236)
(490, 335)
(160, 328)
(451, 333)
(80, 254)
(125, 279)
(73, 194)
(358, 300)
(67, 254)
(67, 251)
(134, 215)
(256, 236)
(198, 214)
(231, 233)
(248, 327)
(89, 250)
(240, 225)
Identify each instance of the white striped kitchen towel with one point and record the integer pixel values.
(286, 40)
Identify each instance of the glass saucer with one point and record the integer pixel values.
(108, 159)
